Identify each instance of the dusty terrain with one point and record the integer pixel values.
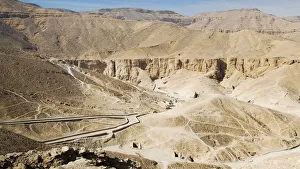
(222, 21)
(20, 143)
(144, 15)
(241, 19)
(96, 37)
(293, 18)
(147, 94)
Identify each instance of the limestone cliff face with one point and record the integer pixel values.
(128, 69)
(156, 68)
(253, 67)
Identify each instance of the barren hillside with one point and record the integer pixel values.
(243, 19)
(98, 38)
(221, 21)
(12, 40)
(213, 129)
(16, 6)
(293, 18)
(144, 15)
(94, 37)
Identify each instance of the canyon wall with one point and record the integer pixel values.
(129, 69)
(254, 67)
(162, 67)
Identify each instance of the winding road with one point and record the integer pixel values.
(131, 119)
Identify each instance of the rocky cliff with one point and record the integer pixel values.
(156, 68)
(67, 157)
(254, 67)
(129, 69)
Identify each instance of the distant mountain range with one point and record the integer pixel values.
(144, 15)
(97, 34)
(293, 18)
(222, 21)
(243, 19)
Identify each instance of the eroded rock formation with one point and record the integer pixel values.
(156, 68)
(61, 157)
(254, 67)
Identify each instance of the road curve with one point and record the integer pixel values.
(64, 119)
(131, 120)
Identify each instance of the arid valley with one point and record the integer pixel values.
(136, 88)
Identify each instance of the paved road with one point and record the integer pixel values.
(63, 119)
(130, 120)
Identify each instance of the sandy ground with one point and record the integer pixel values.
(288, 159)
(276, 90)
(182, 85)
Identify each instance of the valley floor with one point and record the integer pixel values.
(203, 121)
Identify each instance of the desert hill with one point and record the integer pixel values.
(20, 143)
(241, 19)
(95, 37)
(144, 15)
(293, 18)
(213, 129)
(12, 40)
(276, 89)
(99, 38)
(16, 6)
(222, 21)
(123, 39)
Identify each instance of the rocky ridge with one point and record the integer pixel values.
(96, 37)
(157, 68)
(221, 21)
(58, 157)
(80, 157)
(243, 19)
(143, 15)
(293, 18)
